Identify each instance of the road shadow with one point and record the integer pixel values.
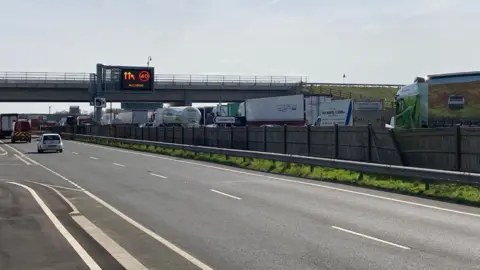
(36, 153)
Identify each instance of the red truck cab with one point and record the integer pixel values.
(21, 131)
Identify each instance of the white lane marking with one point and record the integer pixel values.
(63, 231)
(93, 158)
(21, 154)
(4, 152)
(70, 204)
(118, 164)
(118, 252)
(225, 194)
(21, 159)
(370, 237)
(75, 153)
(136, 224)
(54, 186)
(289, 181)
(158, 175)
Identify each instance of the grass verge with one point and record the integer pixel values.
(458, 193)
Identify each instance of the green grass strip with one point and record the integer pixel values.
(452, 192)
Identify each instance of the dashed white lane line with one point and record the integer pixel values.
(158, 175)
(22, 159)
(370, 237)
(133, 222)
(63, 231)
(93, 158)
(225, 194)
(184, 161)
(118, 164)
(75, 153)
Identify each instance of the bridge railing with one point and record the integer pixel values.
(45, 77)
(229, 79)
(69, 77)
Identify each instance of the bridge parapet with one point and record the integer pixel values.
(161, 80)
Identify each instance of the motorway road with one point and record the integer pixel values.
(172, 213)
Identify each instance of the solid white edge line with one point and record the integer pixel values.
(225, 194)
(63, 231)
(118, 164)
(370, 237)
(54, 186)
(21, 159)
(21, 154)
(134, 223)
(93, 158)
(70, 204)
(158, 175)
(287, 180)
(113, 248)
(127, 260)
(4, 152)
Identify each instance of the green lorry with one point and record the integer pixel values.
(438, 100)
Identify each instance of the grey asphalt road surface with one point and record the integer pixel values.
(231, 218)
(31, 239)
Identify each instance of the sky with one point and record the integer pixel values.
(370, 41)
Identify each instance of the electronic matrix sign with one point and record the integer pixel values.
(137, 79)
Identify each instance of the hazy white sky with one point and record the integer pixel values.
(371, 41)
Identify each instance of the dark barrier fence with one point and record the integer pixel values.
(455, 148)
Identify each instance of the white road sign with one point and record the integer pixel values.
(224, 120)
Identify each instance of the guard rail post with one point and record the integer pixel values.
(458, 148)
(204, 136)
(336, 146)
(183, 135)
(265, 137)
(194, 140)
(247, 141)
(369, 143)
(218, 137)
(309, 144)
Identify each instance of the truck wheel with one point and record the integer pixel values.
(13, 141)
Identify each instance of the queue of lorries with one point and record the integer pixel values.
(293, 110)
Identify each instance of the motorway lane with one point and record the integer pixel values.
(275, 223)
(36, 231)
(429, 231)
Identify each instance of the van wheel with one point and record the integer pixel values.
(39, 151)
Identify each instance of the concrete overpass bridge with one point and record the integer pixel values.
(179, 89)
